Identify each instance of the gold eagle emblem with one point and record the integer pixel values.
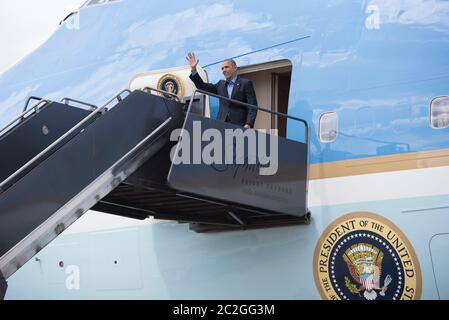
(171, 84)
(364, 262)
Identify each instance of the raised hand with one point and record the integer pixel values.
(193, 62)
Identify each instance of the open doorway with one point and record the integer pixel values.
(272, 85)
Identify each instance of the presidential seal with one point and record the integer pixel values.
(171, 84)
(366, 257)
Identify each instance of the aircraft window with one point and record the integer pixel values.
(96, 2)
(439, 112)
(328, 127)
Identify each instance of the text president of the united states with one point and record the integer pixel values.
(233, 87)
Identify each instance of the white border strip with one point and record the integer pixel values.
(326, 192)
(379, 186)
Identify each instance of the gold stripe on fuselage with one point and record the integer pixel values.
(390, 163)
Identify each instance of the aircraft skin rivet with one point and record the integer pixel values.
(45, 130)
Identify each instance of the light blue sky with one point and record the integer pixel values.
(25, 24)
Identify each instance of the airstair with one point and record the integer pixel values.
(59, 161)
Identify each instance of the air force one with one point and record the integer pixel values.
(91, 205)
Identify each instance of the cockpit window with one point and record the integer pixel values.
(97, 2)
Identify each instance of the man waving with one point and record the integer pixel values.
(233, 87)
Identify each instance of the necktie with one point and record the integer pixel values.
(229, 84)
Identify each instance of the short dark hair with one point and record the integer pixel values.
(231, 61)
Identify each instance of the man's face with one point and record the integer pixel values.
(228, 69)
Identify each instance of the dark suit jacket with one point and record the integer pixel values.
(243, 91)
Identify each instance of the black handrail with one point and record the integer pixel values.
(36, 108)
(306, 125)
(149, 89)
(67, 100)
(64, 136)
(29, 100)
